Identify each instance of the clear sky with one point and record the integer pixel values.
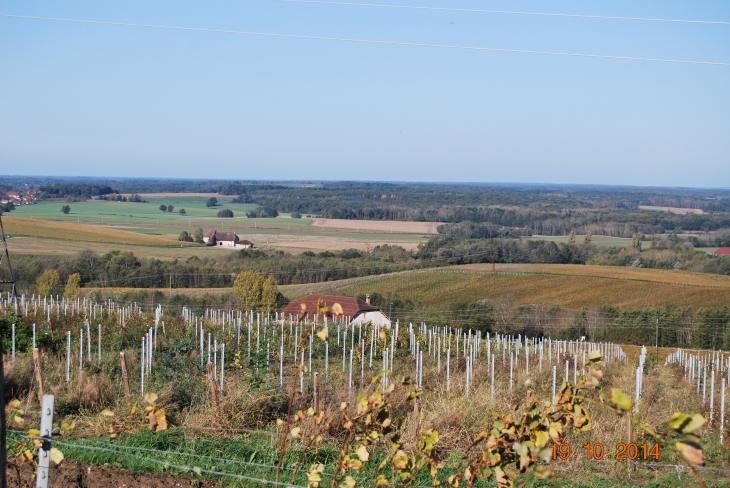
(104, 100)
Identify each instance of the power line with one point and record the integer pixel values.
(511, 12)
(372, 41)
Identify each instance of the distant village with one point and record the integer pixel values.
(17, 198)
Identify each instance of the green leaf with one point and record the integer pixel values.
(620, 399)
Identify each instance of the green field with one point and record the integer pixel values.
(94, 211)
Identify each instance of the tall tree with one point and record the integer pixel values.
(269, 293)
(588, 239)
(198, 235)
(571, 238)
(73, 284)
(49, 283)
(247, 288)
(636, 240)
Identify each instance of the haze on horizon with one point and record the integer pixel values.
(111, 101)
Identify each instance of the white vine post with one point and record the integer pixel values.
(44, 453)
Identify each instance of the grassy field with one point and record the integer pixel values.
(565, 286)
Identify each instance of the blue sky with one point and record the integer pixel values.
(99, 100)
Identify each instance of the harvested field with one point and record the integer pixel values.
(389, 226)
(80, 232)
(326, 243)
(677, 210)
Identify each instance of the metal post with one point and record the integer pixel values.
(44, 453)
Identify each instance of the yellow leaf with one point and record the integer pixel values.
(362, 453)
(34, 432)
(19, 420)
(322, 334)
(161, 420)
(296, 432)
(107, 413)
(56, 456)
(279, 422)
(28, 455)
(350, 482)
(134, 409)
(15, 403)
(541, 438)
(150, 397)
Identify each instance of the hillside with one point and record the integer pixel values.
(570, 286)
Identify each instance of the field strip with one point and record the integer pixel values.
(669, 277)
(81, 232)
(387, 226)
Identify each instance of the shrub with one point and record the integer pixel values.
(225, 213)
(296, 215)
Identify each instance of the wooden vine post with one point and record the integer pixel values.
(38, 374)
(125, 378)
(316, 392)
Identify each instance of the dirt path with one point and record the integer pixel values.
(75, 475)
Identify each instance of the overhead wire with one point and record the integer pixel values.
(510, 12)
(372, 41)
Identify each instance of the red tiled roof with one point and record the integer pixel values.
(723, 251)
(351, 306)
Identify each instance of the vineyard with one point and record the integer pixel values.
(572, 287)
(245, 399)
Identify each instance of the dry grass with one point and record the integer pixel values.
(81, 232)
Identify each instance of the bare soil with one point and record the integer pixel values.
(392, 226)
(76, 475)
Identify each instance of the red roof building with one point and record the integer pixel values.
(723, 251)
(353, 308)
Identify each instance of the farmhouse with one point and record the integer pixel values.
(723, 251)
(352, 308)
(228, 240)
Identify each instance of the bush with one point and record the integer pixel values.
(262, 213)
(182, 211)
(225, 213)
(170, 208)
(212, 202)
(163, 208)
(296, 215)
(242, 199)
(65, 209)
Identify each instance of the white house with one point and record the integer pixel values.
(228, 240)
